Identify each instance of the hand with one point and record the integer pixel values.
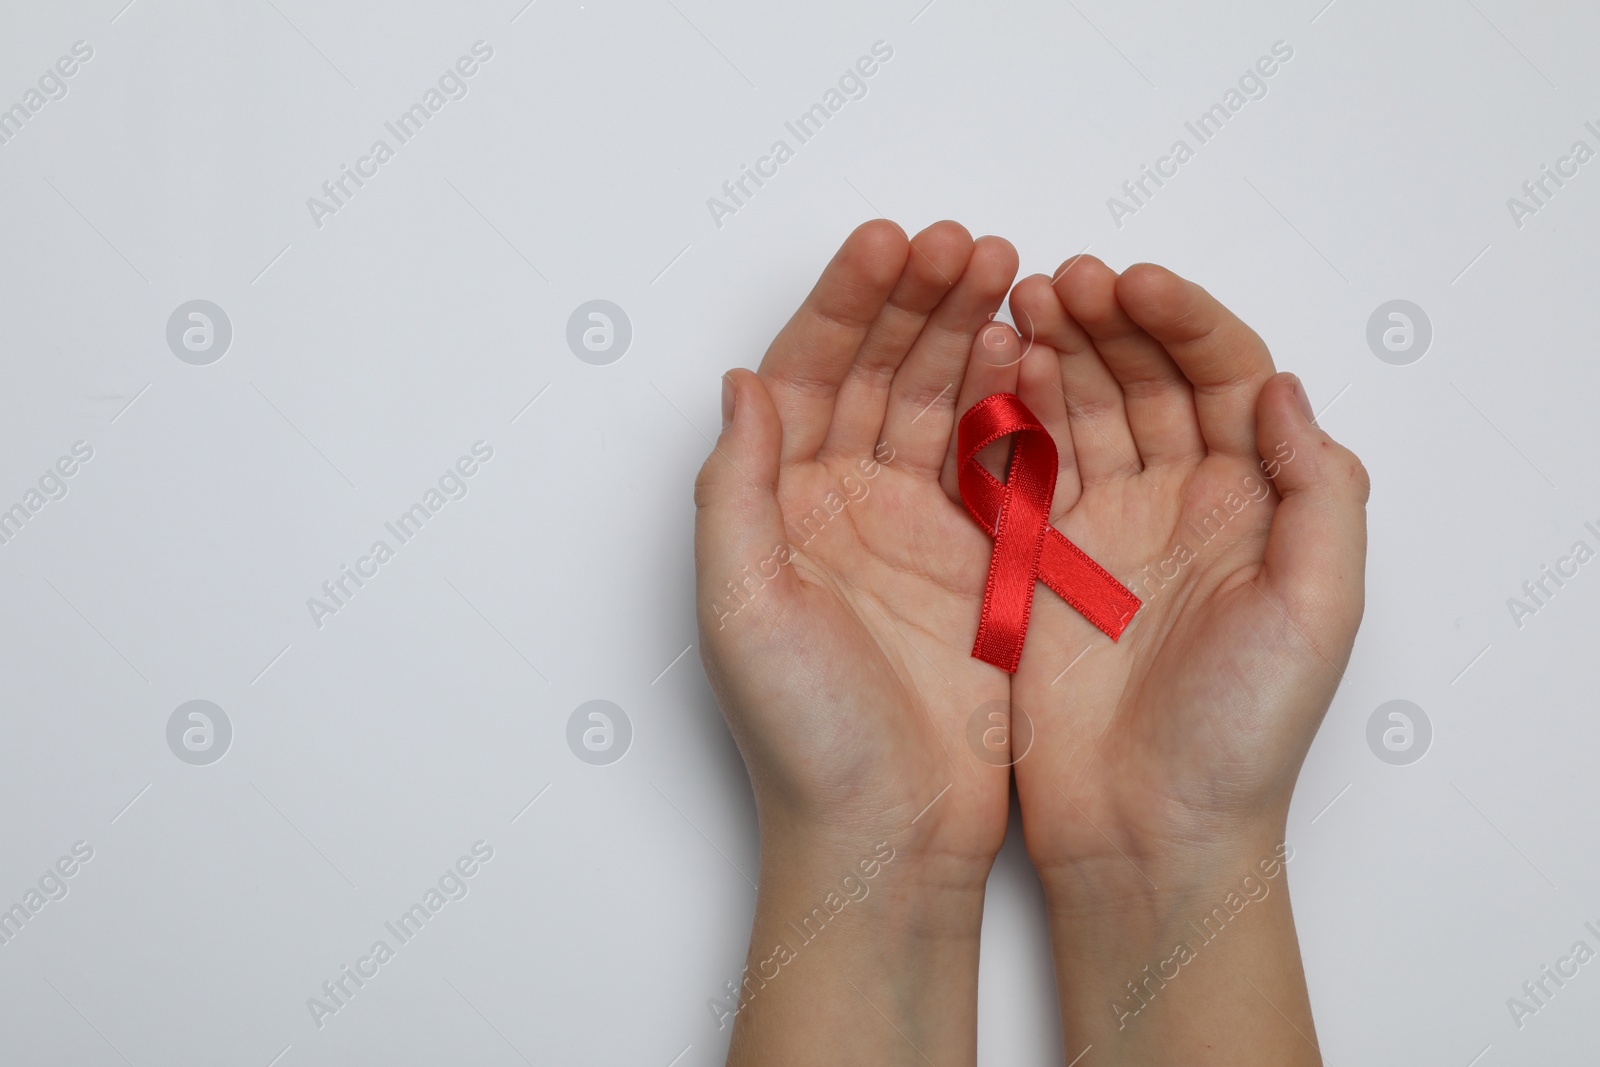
(839, 585)
(1196, 476)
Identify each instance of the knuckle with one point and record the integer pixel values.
(704, 485)
(1356, 476)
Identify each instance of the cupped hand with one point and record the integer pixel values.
(838, 577)
(1195, 475)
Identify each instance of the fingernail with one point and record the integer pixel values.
(1303, 401)
(728, 394)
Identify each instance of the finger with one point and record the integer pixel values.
(1157, 396)
(1225, 360)
(922, 398)
(812, 354)
(1101, 439)
(1039, 388)
(1317, 548)
(738, 527)
(992, 368)
(938, 256)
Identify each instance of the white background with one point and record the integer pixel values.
(368, 354)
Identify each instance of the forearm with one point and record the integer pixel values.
(1184, 957)
(859, 954)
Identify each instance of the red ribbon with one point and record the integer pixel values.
(1027, 549)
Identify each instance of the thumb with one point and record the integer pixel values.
(1317, 549)
(741, 550)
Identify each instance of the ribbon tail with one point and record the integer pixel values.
(1013, 572)
(1086, 585)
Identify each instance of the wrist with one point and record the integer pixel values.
(880, 888)
(881, 942)
(1141, 884)
(929, 856)
(1182, 954)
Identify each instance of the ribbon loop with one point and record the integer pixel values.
(1027, 549)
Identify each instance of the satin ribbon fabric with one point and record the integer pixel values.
(1027, 549)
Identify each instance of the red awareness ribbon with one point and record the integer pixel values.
(1027, 549)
